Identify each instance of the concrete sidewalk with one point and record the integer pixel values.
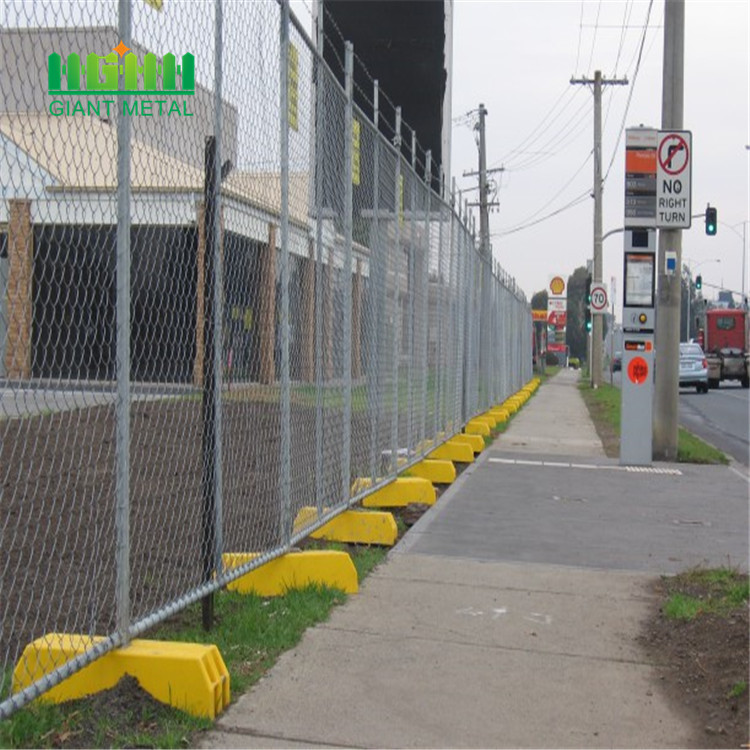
(508, 616)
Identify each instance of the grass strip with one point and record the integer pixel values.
(700, 591)
(250, 632)
(604, 409)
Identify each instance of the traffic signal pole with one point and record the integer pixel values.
(667, 343)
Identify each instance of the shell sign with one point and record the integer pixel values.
(557, 286)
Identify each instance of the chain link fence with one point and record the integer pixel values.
(226, 292)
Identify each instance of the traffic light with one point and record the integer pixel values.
(699, 282)
(711, 220)
(589, 324)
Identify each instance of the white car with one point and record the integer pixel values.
(693, 367)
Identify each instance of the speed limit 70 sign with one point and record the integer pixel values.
(599, 298)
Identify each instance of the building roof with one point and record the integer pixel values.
(80, 153)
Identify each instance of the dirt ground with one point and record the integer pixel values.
(702, 664)
(57, 483)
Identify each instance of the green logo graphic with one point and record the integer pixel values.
(111, 68)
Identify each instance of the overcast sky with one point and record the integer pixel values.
(518, 58)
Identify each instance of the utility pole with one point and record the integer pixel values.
(597, 320)
(667, 343)
(485, 252)
(484, 188)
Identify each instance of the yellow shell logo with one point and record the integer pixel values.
(557, 285)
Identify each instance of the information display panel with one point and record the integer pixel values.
(640, 278)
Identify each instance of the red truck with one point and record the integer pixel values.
(727, 346)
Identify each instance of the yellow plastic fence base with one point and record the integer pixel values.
(353, 527)
(512, 405)
(400, 493)
(295, 570)
(477, 427)
(189, 676)
(500, 415)
(437, 471)
(475, 441)
(453, 450)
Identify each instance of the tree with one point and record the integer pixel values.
(539, 300)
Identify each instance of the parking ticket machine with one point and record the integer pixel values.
(638, 324)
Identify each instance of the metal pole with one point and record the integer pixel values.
(412, 288)
(596, 332)
(208, 405)
(319, 128)
(378, 275)
(218, 290)
(346, 457)
(689, 295)
(122, 469)
(425, 333)
(440, 310)
(285, 447)
(396, 292)
(667, 343)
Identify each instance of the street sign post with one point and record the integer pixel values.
(673, 173)
(599, 298)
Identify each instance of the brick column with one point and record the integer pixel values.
(200, 320)
(20, 273)
(307, 324)
(357, 322)
(268, 308)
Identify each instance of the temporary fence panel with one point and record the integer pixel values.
(226, 291)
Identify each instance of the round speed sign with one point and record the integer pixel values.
(599, 298)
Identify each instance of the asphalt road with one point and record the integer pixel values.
(720, 417)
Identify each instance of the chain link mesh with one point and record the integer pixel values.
(295, 308)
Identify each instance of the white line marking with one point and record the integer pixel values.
(629, 469)
(746, 477)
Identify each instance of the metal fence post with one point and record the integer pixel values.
(397, 293)
(285, 448)
(376, 298)
(346, 457)
(411, 290)
(319, 116)
(122, 479)
(440, 311)
(425, 333)
(218, 291)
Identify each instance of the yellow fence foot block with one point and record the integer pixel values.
(477, 427)
(295, 570)
(189, 676)
(400, 493)
(452, 450)
(353, 527)
(500, 415)
(475, 441)
(436, 471)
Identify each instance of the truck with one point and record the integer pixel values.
(726, 344)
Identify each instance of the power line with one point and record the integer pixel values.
(630, 93)
(520, 227)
